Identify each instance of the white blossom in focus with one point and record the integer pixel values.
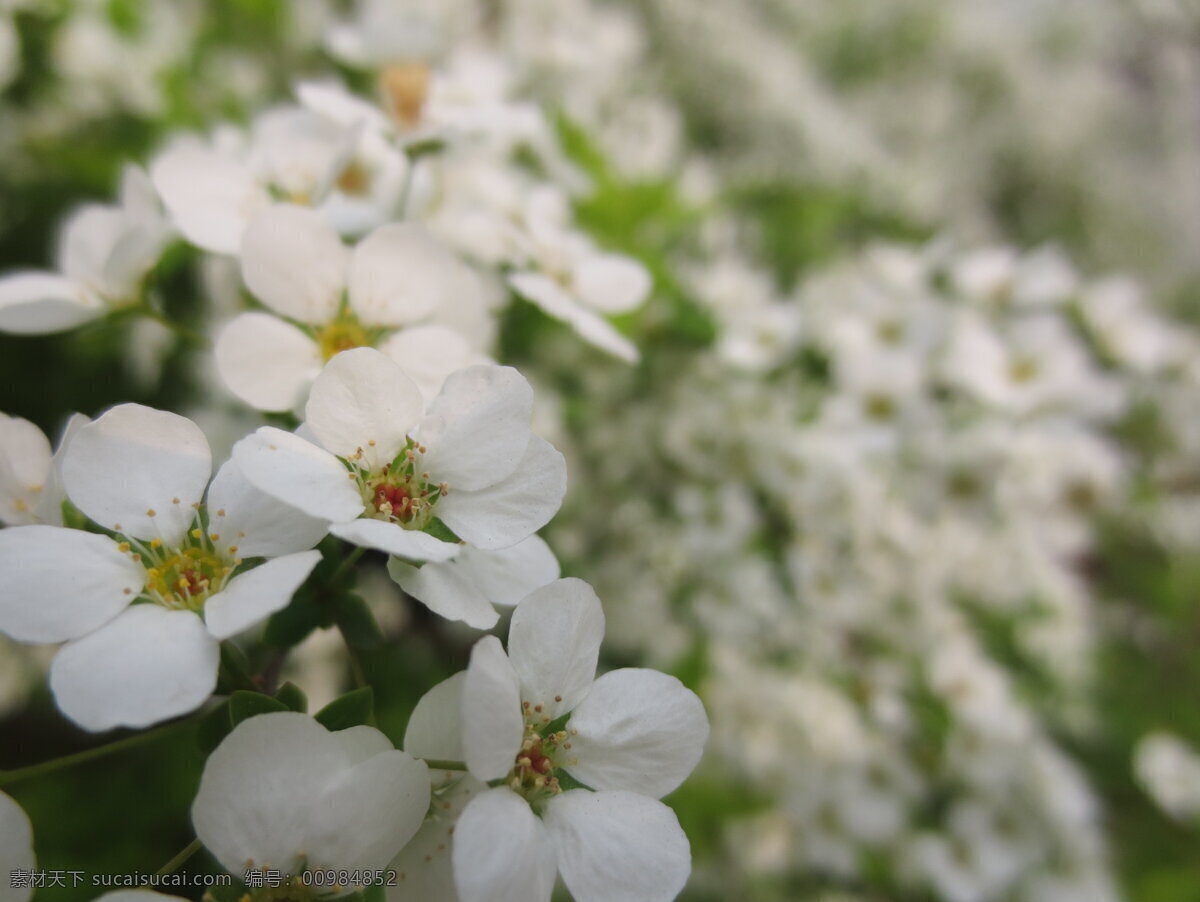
(631, 735)
(385, 467)
(281, 789)
(142, 614)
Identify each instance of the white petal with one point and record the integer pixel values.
(501, 853)
(639, 730)
(435, 727)
(424, 871)
(361, 742)
(60, 583)
(86, 239)
(554, 644)
(16, 849)
(138, 471)
(428, 354)
(294, 262)
(558, 303)
(147, 665)
(210, 197)
(612, 283)
(266, 362)
(446, 589)
(136, 251)
(38, 303)
(394, 539)
(504, 514)
(492, 725)
(257, 789)
(52, 496)
(137, 195)
(618, 846)
(399, 274)
(477, 428)
(508, 575)
(24, 470)
(363, 401)
(255, 595)
(367, 814)
(256, 523)
(298, 473)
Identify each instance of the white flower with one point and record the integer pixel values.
(104, 253)
(1035, 367)
(340, 165)
(30, 486)
(467, 586)
(382, 473)
(399, 289)
(141, 473)
(16, 850)
(571, 280)
(282, 792)
(632, 735)
(1169, 770)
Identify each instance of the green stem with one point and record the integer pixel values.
(46, 767)
(356, 668)
(183, 332)
(347, 562)
(440, 764)
(179, 860)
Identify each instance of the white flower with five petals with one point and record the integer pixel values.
(399, 289)
(527, 716)
(142, 612)
(384, 468)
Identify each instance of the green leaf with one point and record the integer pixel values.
(214, 727)
(243, 705)
(354, 709)
(293, 697)
(374, 893)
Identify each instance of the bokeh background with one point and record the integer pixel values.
(906, 484)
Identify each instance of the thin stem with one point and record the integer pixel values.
(440, 764)
(347, 562)
(189, 335)
(46, 767)
(356, 668)
(178, 861)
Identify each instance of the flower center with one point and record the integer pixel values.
(1023, 369)
(355, 180)
(399, 493)
(184, 577)
(342, 334)
(405, 86)
(541, 752)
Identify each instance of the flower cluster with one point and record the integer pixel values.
(849, 479)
